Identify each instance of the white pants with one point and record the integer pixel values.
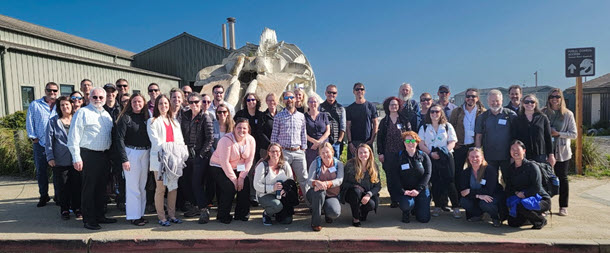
(135, 182)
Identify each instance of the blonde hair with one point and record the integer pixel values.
(533, 97)
(369, 166)
(562, 104)
(481, 170)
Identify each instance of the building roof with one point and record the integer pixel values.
(179, 36)
(597, 83)
(65, 38)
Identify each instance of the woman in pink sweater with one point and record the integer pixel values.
(230, 164)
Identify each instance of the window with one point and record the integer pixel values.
(66, 89)
(27, 96)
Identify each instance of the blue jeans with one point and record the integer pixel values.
(476, 207)
(421, 204)
(338, 147)
(42, 169)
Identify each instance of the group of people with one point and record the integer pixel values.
(184, 150)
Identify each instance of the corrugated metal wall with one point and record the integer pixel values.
(183, 57)
(32, 41)
(24, 69)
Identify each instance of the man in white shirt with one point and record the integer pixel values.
(89, 140)
(219, 95)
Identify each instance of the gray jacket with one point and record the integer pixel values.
(172, 158)
(56, 141)
(563, 152)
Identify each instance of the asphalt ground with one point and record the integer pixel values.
(24, 227)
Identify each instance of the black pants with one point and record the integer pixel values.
(151, 188)
(226, 193)
(199, 181)
(185, 185)
(95, 175)
(561, 171)
(391, 166)
(443, 185)
(534, 216)
(501, 165)
(459, 157)
(353, 196)
(68, 187)
(119, 183)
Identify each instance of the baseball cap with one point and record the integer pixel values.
(109, 86)
(443, 87)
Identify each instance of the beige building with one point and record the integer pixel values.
(32, 55)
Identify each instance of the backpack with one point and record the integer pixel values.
(550, 182)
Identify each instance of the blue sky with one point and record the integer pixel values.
(379, 43)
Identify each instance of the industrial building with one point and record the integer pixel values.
(32, 55)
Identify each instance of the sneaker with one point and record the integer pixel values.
(496, 223)
(78, 214)
(456, 213)
(563, 211)
(204, 217)
(266, 219)
(65, 215)
(436, 211)
(192, 212)
(43, 200)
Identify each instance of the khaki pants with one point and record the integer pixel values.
(159, 200)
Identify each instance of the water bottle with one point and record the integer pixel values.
(278, 193)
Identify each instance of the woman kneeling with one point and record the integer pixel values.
(361, 185)
(325, 178)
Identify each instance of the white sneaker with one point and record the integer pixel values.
(436, 211)
(563, 211)
(456, 213)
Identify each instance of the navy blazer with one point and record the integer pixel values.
(57, 143)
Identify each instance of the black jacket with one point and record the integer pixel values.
(349, 181)
(536, 135)
(204, 128)
(383, 129)
(490, 186)
(130, 130)
(414, 172)
(527, 179)
(265, 128)
(254, 121)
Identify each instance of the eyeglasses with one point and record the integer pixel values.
(153, 90)
(50, 90)
(194, 102)
(97, 97)
(527, 102)
(394, 104)
(206, 101)
(222, 112)
(359, 89)
(122, 85)
(556, 96)
(250, 100)
(312, 102)
(331, 92)
(443, 92)
(434, 111)
(424, 99)
(76, 98)
(471, 96)
(288, 97)
(218, 92)
(407, 141)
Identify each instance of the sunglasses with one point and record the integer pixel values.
(471, 96)
(50, 90)
(359, 89)
(424, 99)
(153, 90)
(410, 141)
(222, 112)
(76, 98)
(443, 92)
(557, 97)
(288, 97)
(122, 85)
(194, 102)
(331, 92)
(528, 102)
(206, 101)
(250, 100)
(434, 111)
(218, 92)
(97, 97)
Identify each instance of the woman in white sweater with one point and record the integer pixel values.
(271, 176)
(161, 129)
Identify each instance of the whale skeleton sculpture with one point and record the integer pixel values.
(270, 67)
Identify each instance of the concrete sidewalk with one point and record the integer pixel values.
(24, 227)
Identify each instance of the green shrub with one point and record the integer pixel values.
(9, 165)
(13, 121)
(592, 157)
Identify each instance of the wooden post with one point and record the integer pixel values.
(579, 116)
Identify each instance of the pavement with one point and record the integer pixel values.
(24, 227)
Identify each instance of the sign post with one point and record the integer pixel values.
(579, 62)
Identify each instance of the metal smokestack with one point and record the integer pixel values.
(224, 36)
(231, 21)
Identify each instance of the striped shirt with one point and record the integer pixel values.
(289, 129)
(91, 129)
(37, 120)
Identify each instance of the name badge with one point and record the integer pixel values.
(255, 121)
(405, 166)
(241, 167)
(469, 133)
(332, 169)
(502, 121)
(483, 181)
(399, 126)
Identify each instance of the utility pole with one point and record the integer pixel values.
(536, 75)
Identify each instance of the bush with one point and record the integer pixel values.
(13, 121)
(9, 165)
(592, 156)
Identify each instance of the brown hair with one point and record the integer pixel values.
(157, 113)
(441, 120)
(481, 170)
(244, 102)
(281, 161)
(229, 124)
(129, 110)
(533, 97)
(562, 105)
(386, 104)
(370, 166)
